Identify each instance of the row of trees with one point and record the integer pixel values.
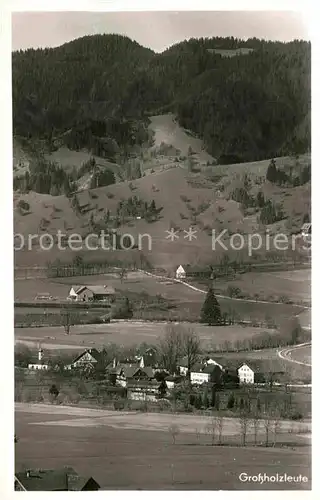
(280, 177)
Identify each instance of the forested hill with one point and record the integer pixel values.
(251, 106)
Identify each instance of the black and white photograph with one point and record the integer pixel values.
(161, 172)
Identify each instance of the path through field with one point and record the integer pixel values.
(302, 352)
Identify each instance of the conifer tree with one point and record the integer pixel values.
(211, 312)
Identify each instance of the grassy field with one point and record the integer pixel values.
(186, 302)
(135, 451)
(167, 130)
(129, 333)
(187, 199)
(294, 285)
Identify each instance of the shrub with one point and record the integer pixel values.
(23, 205)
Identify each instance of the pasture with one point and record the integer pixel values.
(136, 451)
(129, 333)
(185, 302)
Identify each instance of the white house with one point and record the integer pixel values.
(245, 374)
(89, 357)
(72, 294)
(39, 363)
(180, 273)
(201, 374)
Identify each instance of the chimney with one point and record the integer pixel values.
(141, 362)
(28, 473)
(40, 354)
(114, 363)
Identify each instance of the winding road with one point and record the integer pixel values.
(287, 353)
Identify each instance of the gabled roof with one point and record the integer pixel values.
(54, 480)
(93, 352)
(130, 370)
(180, 269)
(97, 289)
(254, 365)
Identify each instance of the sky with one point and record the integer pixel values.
(157, 30)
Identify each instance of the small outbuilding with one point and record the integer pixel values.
(180, 273)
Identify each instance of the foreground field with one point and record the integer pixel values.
(135, 451)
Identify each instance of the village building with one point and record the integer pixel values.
(252, 373)
(104, 293)
(39, 362)
(90, 358)
(120, 373)
(180, 273)
(200, 374)
(172, 381)
(66, 479)
(143, 390)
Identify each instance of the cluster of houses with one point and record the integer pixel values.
(140, 375)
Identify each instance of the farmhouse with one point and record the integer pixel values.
(143, 390)
(200, 374)
(180, 273)
(121, 373)
(246, 374)
(39, 362)
(172, 380)
(183, 366)
(93, 293)
(90, 358)
(66, 479)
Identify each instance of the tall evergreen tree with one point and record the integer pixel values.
(211, 312)
(272, 172)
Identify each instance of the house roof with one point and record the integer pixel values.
(254, 365)
(201, 368)
(130, 370)
(183, 362)
(97, 289)
(94, 353)
(173, 378)
(54, 480)
(180, 269)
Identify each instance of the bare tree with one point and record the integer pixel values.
(275, 425)
(170, 347)
(244, 425)
(122, 273)
(267, 426)
(220, 424)
(198, 433)
(191, 348)
(256, 423)
(67, 321)
(174, 431)
(211, 428)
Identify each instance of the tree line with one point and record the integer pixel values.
(97, 92)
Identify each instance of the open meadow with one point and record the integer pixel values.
(184, 302)
(136, 451)
(129, 333)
